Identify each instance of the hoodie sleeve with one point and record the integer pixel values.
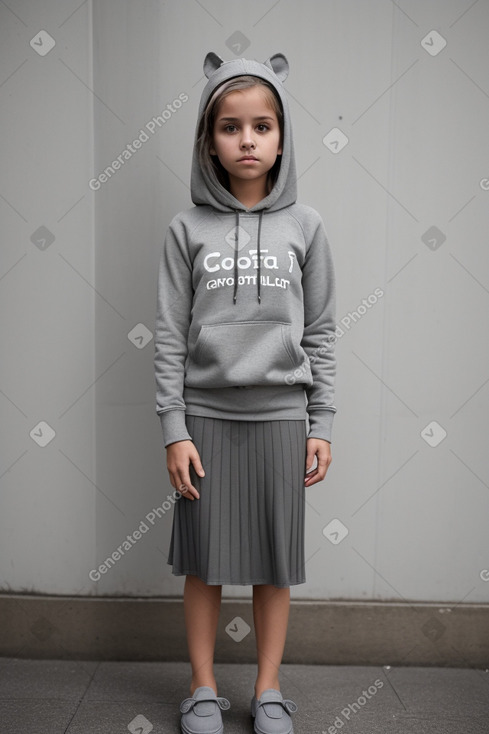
(174, 303)
(319, 286)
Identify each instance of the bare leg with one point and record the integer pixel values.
(202, 604)
(271, 617)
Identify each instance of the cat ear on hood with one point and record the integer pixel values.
(212, 62)
(279, 65)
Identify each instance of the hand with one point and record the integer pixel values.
(323, 450)
(179, 455)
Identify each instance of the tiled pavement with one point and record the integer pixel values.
(90, 697)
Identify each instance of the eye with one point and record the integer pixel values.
(263, 125)
(226, 128)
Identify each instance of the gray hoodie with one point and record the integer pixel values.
(245, 324)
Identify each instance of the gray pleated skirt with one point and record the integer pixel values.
(248, 525)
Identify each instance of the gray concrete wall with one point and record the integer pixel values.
(405, 204)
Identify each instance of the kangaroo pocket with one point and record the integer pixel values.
(242, 353)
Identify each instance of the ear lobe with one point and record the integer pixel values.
(279, 65)
(212, 62)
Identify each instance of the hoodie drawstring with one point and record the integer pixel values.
(259, 258)
(236, 257)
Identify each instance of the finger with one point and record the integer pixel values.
(323, 465)
(180, 480)
(309, 463)
(185, 491)
(197, 464)
(173, 479)
(311, 453)
(190, 492)
(310, 478)
(317, 474)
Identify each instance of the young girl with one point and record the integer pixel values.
(244, 353)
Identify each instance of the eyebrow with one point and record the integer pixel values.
(237, 119)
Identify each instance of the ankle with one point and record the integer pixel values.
(203, 681)
(263, 686)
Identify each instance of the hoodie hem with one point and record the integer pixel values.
(248, 403)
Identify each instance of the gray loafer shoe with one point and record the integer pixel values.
(271, 713)
(201, 714)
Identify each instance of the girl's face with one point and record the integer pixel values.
(245, 125)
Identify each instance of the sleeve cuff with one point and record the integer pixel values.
(174, 427)
(321, 424)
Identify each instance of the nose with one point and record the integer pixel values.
(247, 138)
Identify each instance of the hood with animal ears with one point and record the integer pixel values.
(205, 186)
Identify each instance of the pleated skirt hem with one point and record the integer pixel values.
(247, 527)
(244, 582)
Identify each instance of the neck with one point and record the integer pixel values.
(249, 193)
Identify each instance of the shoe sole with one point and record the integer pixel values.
(259, 732)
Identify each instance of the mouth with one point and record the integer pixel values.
(247, 158)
